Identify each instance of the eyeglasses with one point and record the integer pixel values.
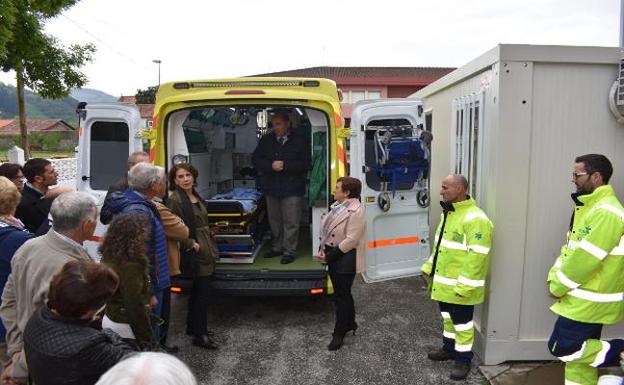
(575, 174)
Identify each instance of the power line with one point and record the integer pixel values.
(82, 28)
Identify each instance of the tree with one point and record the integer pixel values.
(40, 62)
(147, 96)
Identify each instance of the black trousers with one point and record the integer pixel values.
(197, 315)
(165, 315)
(342, 274)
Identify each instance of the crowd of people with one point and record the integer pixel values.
(69, 320)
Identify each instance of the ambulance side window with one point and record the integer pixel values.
(109, 153)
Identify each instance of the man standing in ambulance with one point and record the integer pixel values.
(588, 276)
(282, 159)
(457, 270)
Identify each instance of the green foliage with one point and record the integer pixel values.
(147, 96)
(48, 68)
(50, 141)
(7, 19)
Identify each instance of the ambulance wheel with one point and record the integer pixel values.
(383, 201)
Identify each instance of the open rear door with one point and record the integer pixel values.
(108, 134)
(389, 154)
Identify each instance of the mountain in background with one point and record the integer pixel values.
(36, 106)
(90, 95)
(40, 108)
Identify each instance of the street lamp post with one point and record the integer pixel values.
(158, 61)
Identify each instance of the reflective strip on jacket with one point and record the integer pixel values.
(588, 275)
(463, 258)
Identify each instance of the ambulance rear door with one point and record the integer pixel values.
(389, 155)
(108, 134)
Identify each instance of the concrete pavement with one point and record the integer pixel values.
(275, 341)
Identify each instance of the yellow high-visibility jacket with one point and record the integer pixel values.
(463, 255)
(588, 276)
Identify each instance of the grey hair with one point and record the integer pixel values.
(134, 158)
(142, 175)
(149, 368)
(69, 210)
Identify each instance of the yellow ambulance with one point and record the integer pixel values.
(216, 124)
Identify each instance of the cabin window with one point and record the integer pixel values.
(466, 138)
(109, 153)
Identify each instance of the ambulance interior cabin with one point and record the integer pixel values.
(219, 141)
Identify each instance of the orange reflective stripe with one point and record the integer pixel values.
(152, 154)
(95, 238)
(392, 242)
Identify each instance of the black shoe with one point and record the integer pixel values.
(169, 349)
(209, 333)
(205, 342)
(440, 355)
(287, 259)
(272, 253)
(336, 342)
(460, 371)
(352, 328)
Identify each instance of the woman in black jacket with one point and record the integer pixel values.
(199, 252)
(60, 344)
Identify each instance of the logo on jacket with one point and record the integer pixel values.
(478, 236)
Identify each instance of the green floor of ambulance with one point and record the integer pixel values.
(303, 261)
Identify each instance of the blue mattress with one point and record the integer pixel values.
(248, 197)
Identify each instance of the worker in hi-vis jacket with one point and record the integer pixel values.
(588, 276)
(457, 270)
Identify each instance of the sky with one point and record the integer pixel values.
(216, 39)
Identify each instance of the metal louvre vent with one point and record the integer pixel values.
(619, 94)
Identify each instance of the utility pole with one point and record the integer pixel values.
(158, 61)
(621, 23)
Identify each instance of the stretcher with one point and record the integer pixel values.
(237, 219)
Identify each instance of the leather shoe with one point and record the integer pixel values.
(172, 349)
(205, 342)
(272, 253)
(336, 342)
(209, 333)
(460, 371)
(286, 259)
(440, 355)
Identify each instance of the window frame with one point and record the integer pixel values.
(467, 138)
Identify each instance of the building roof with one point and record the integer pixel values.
(35, 125)
(404, 76)
(127, 99)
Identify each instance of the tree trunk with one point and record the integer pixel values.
(21, 108)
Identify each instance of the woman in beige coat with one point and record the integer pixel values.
(342, 248)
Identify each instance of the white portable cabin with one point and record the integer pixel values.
(512, 121)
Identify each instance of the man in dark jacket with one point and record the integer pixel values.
(283, 159)
(145, 182)
(37, 196)
(122, 184)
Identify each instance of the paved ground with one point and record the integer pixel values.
(276, 341)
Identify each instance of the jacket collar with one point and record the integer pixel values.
(73, 249)
(352, 204)
(591, 199)
(468, 202)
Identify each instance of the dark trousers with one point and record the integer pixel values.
(342, 274)
(578, 344)
(458, 330)
(165, 313)
(197, 315)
